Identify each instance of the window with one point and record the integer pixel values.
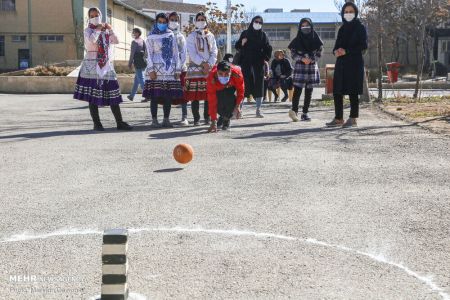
(109, 16)
(7, 5)
(326, 32)
(278, 34)
(130, 24)
(191, 19)
(18, 38)
(2, 45)
(51, 38)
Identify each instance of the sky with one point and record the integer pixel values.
(287, 5)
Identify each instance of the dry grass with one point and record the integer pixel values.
(48, 71)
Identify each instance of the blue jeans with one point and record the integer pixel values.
(184, 111)
(138, 80)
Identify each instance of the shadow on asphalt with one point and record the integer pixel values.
(170, 170)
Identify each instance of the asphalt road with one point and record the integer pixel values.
(270, 210)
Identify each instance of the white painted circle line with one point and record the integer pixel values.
(427, 280)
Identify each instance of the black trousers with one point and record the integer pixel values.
(195, 105)
(167, 105)
(226, 102)
(266, 88)
(115, 109)
(296, 99)
(339, 106)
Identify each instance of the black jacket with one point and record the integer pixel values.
(349, 69)
(286, 67)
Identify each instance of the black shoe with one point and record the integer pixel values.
(284, 99)
(99, 127)
(226, 125)
(220, 122)
(196, 123)
(124, 126)
(305, 117)
(276, 99)
(207, 121)
(130, 98)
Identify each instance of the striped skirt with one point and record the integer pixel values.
(167, 89)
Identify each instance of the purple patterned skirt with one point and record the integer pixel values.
(97, 91)
(168, 89)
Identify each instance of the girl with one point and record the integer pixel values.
(137, 58)
(306, 49)
(350, 45)
(163, 70)
(174, 25)
(202, 49)
(254, 48)
(97, 82)
(281, 75)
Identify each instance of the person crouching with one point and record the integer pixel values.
(225, 88)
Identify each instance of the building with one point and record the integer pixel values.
(187, 11)
(282, 27)
(35, 32)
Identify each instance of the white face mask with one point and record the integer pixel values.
(230, 59)
(95, 21)
(257, 26)
(349, 17)
(174, 25)
(200, 24)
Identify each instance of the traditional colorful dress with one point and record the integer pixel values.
(97, 81)
(202, 48)
(182, 52)
(163, 58)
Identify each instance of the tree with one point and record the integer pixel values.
(217, 22)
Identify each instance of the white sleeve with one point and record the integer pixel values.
(192, 50)
(149, 46)
(176, 55)
(91, 35)
(182, 51)
(214, 51)
(113, 38)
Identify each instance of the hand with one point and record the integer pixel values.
(244, 41)
(177, 76)
(213, 127)
(206, 68)
(339, 52)
(153, 75)
(237, 112)
(306, 61)
(107, 26)
(99, 26)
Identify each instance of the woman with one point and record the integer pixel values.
(306, 49)
(163, 70)
(266, 79)
(254, 48)
(350, 45)
(97, 82)
(174, 25)
(137, 58)
(202, 50)
(281, 75)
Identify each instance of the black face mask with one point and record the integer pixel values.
(306, 30)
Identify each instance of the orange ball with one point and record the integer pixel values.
(183, 153)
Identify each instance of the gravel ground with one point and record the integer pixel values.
(270, 210)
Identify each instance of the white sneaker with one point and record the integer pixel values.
(293, 116)
(184, 122)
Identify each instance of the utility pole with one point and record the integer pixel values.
(104, 10)
(228, 26)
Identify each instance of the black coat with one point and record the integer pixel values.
(286, 67)
(251, 59)
(349, 69)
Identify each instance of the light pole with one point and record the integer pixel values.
(104, 10)
(228, 26)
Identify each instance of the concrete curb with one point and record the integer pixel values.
(49, 84)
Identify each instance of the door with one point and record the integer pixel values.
(24, 58)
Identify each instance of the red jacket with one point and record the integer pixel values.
(213, 86)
